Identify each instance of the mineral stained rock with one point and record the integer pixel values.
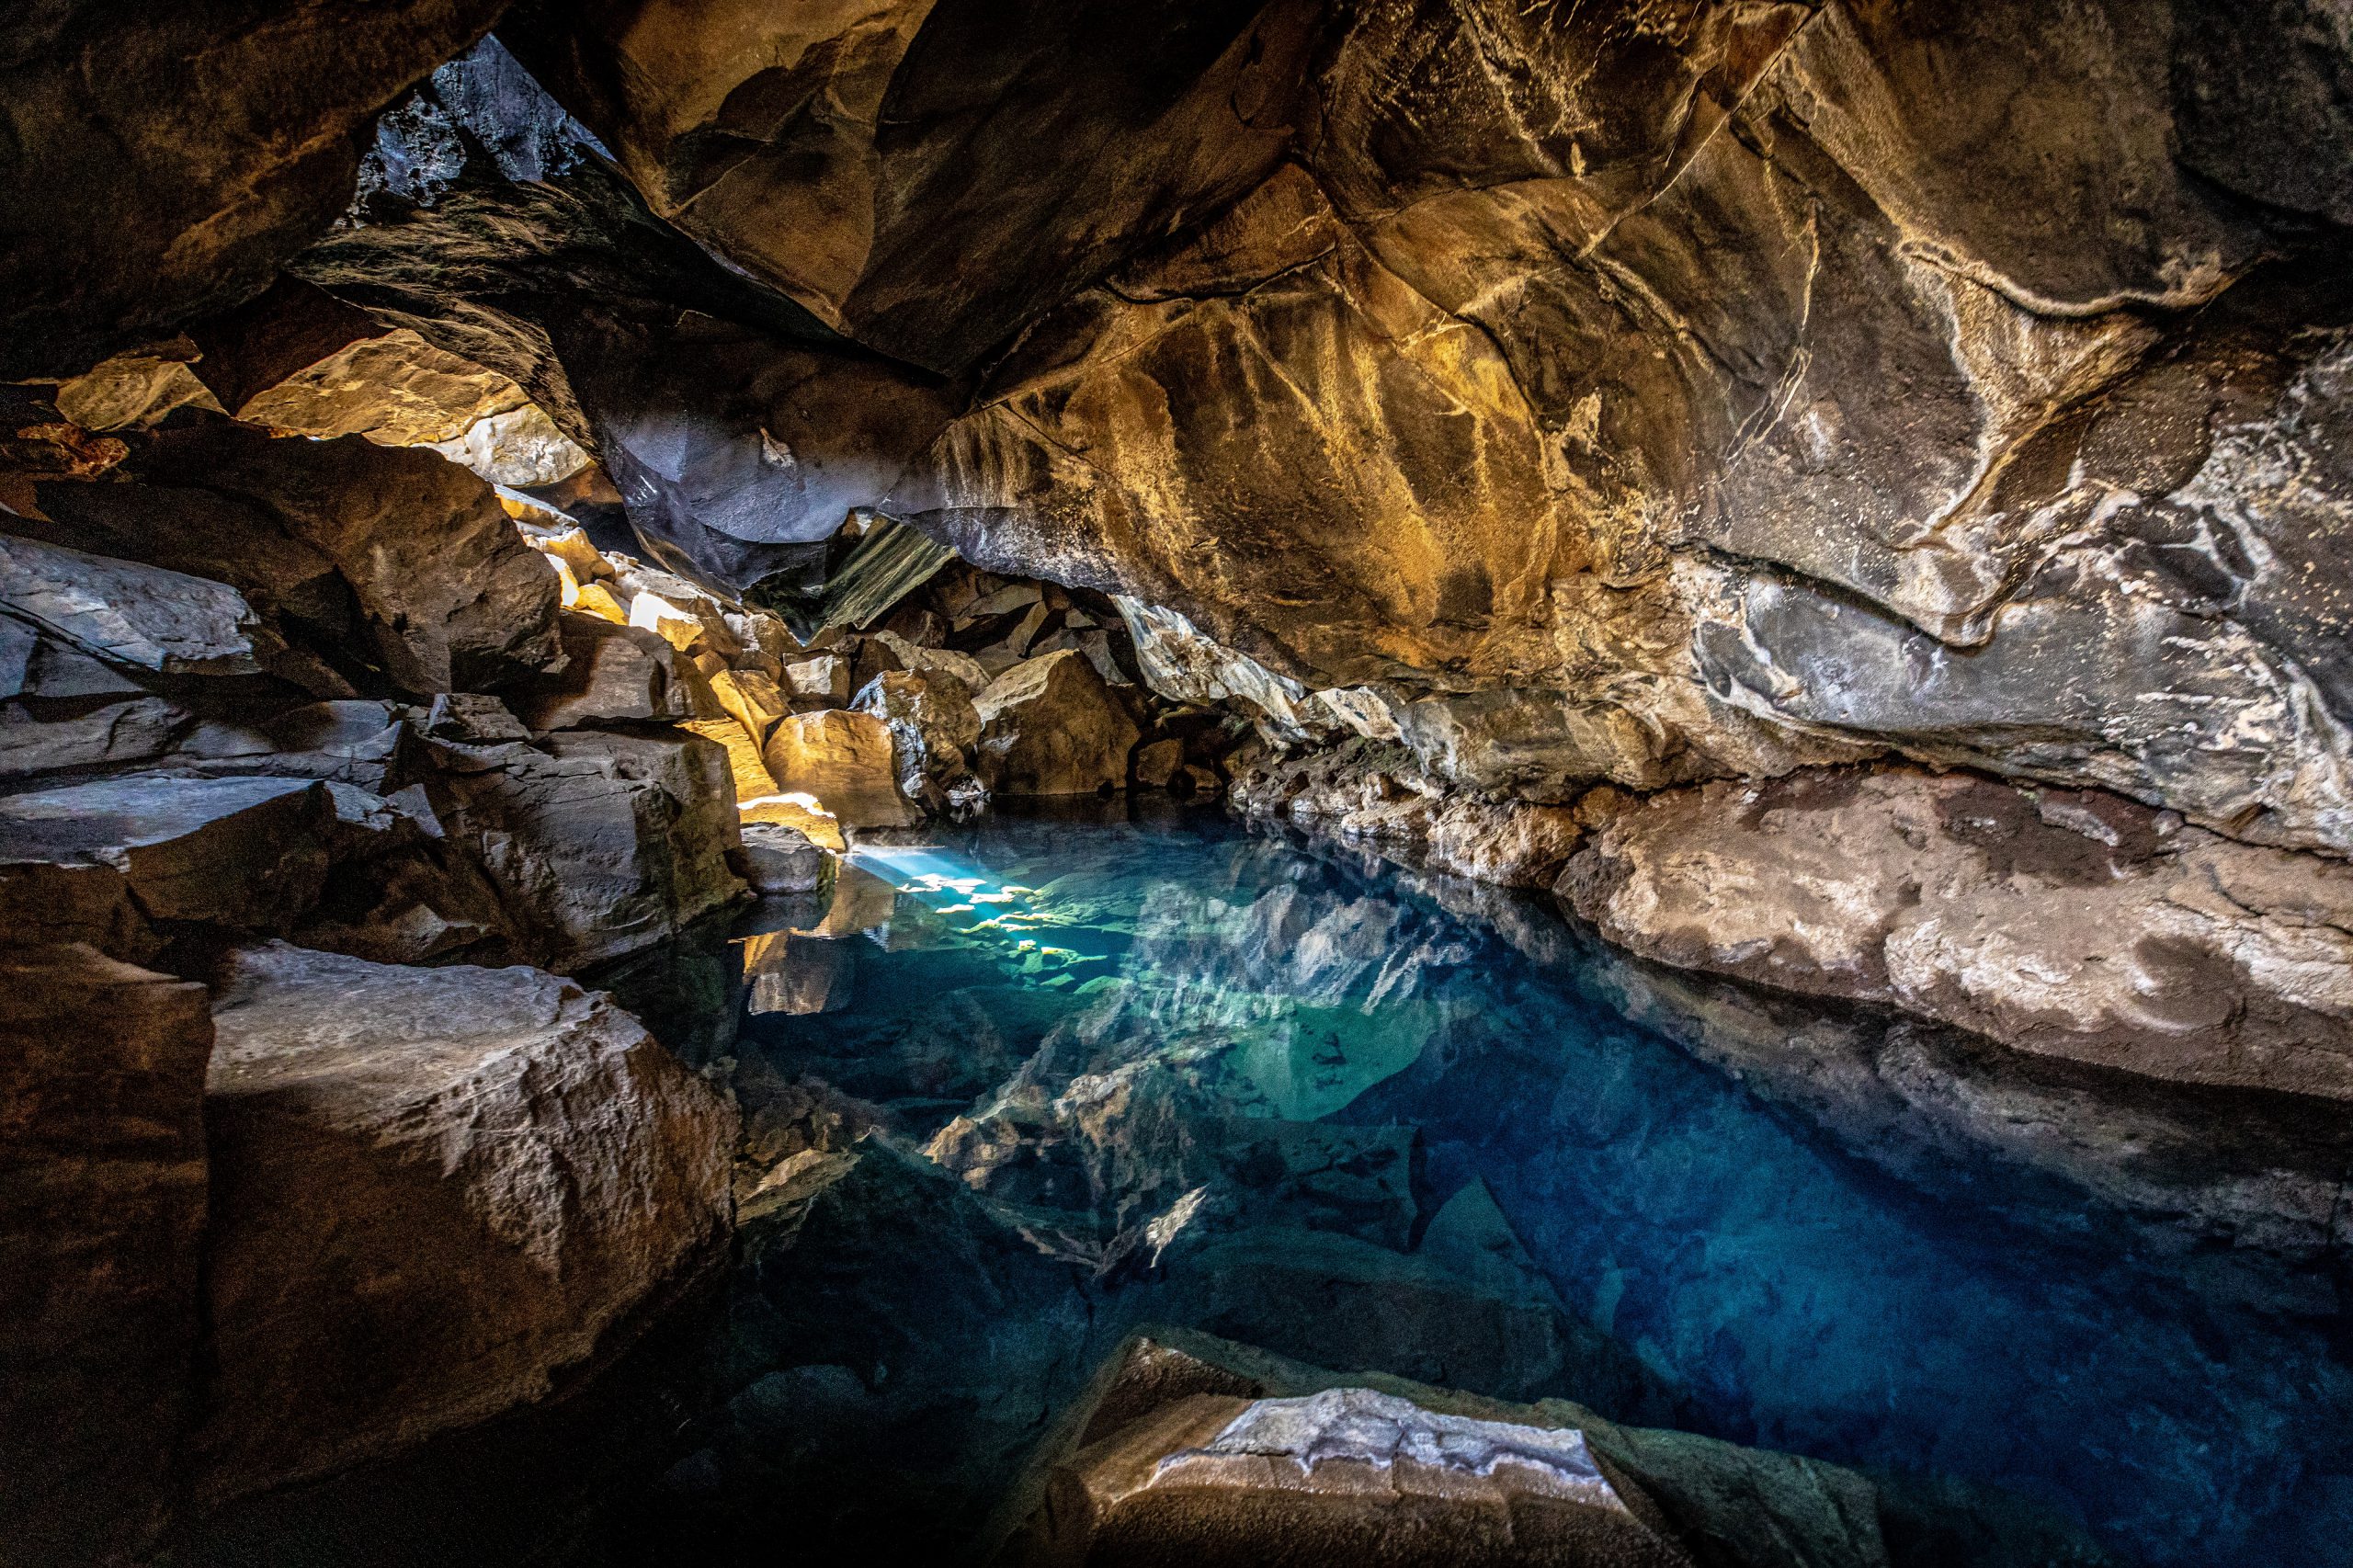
(2066, 923)
(1049, 726)
(435, 1194)
(102, 1202)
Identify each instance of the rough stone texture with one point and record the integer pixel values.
(846, 761)
(784, 860)
(1680, 1498)
(102, 1199)
(610, 674)
(243, 854)
(396, 565)
(435, 1194)
(934, 726)
(175, 154)
(2066, 923)
(602, 843)
(125, 613)
(1049, 726)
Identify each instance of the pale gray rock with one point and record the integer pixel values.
(783, 860)
(2068, 923)
(437, 1193)
(125, 613)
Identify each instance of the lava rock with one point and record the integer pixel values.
(102, 1203)
(601, 843)
(934, 726)
(1049, 726)
(610, 674)
(437, 1193)
(784, 860)
(2065, 923)
(847, 761)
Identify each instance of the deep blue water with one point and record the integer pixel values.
(1020, 1089)
(1089, 1075)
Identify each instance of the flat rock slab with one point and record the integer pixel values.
(245, 853)
(435, 1191)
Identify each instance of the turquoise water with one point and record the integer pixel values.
(1039, 1082)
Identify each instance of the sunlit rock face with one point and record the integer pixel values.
(1743, 387)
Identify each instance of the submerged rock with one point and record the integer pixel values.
(1049, 726)
(436, 1195)
(783, 859)
(2069, 924)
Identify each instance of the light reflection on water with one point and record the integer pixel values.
(1047, 1081)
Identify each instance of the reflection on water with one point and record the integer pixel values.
(1029, 1085)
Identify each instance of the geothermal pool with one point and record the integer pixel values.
(1028, 1085)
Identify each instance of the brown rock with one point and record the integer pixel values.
(752, 700)
(847, 761)
(394, 563)
(611, 674)
(102, 1202)
(823, 681)
(1158, 762)
(134, 210)
(437, 1193)
(1049, 726)
(2067, 924)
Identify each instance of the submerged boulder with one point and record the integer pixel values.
(1049, 726)
(436, 1195)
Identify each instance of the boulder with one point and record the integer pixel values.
(1049, 726)
(824, 681)
(846, 761)
(396, 565)
(745, 763)
(782, 859)
(926, 660)
(239, 854)
(352, 741)
(437, 1193)
(610, 674)
(1158, 762)
(752, 700)
(102, 1203)
(934, 726)
(2065, 923)
(804, 814)
(601, 843)
(126, 613)
(1231, 1449)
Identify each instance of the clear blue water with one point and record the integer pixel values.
(1059, 1079)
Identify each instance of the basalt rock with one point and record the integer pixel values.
(610, 674)
(934, 726)
(1049, 726)
(436, 1194)
(601, 843)
(2070, 924)
(847, 761)
(181, 154)
(397, 566)
(102, 1203)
